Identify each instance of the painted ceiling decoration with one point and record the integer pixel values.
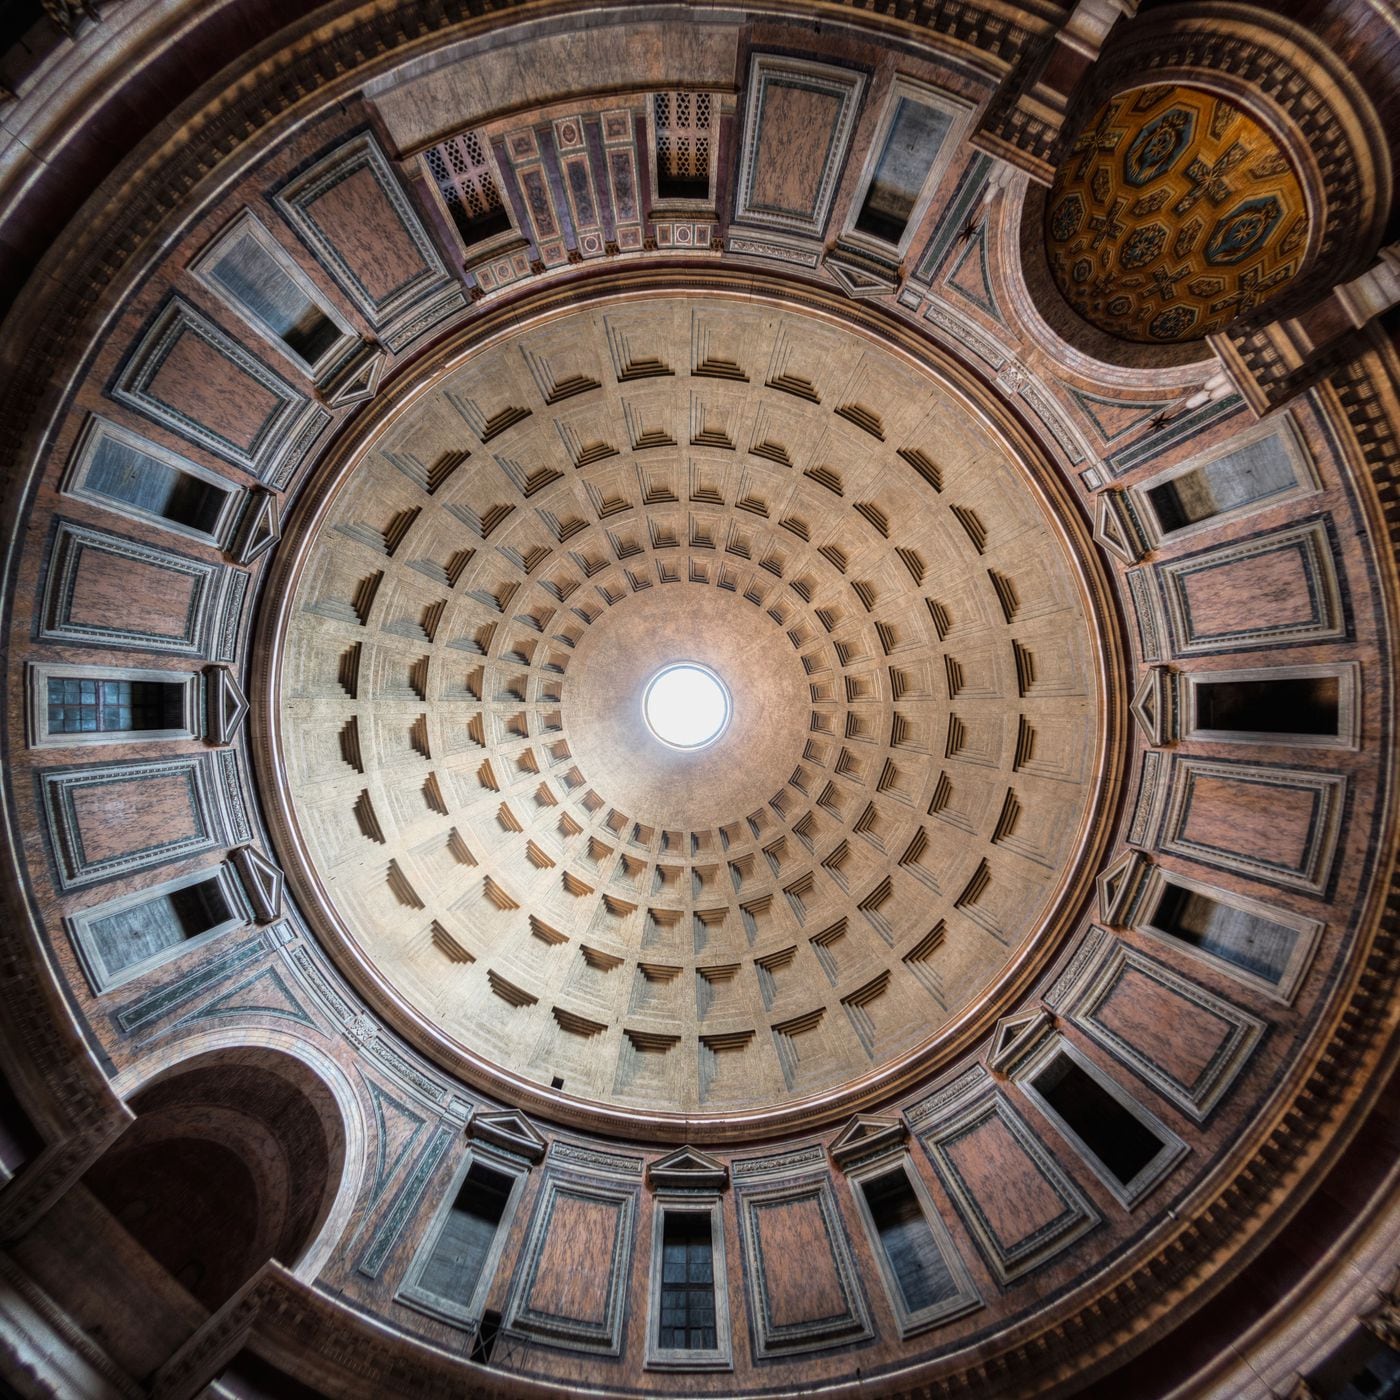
(1173, 213)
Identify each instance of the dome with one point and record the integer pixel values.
(648, 750)
(565, 898)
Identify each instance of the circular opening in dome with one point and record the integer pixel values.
(686, 705)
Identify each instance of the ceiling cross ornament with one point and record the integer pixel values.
(1174, 213)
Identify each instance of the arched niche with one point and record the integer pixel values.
(236, 1156)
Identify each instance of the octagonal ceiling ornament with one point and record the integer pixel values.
(1174, 213)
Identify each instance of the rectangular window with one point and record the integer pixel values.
(1264, 946)
(81, 706)
(687, 1321)
(464, 178)
(918, 131)
(251, 276)
(110, 705)
(916, 136)
(261, 281)
(452, 1273)
(1311, 705)
(923, 1276)
(1130, 1149)
(125, 937)
(122, 471)
(1254, 470)
(1299, 706)
(458, 1258)
(915, 1260)
(681, 125)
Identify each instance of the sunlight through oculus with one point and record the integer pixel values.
(686, 705)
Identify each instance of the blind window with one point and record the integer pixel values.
(915, 1260)
(687, 1283)
(1122, 1142)
(454, 1268)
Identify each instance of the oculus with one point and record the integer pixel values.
(686, 706)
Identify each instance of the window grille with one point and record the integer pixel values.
(683, 144)
(462, 172)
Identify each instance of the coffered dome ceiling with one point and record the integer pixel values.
(837, 531)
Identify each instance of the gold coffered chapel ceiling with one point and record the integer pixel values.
(850, 543)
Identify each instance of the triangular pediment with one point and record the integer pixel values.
(859, 279)
(260, 528)
(1118, 885)
(1114, 418)
(865, 1136)
(1116, 529)
(358, 378)
(510, 1130)
(1152, 707)
(1014, 1036)
(262, 882)
(226, 705)
(689, 1167)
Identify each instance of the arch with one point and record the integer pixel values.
(245, 1106)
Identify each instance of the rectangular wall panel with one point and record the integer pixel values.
(197, 381)
(797, 129)
(1019, 1205)
(1279, 825)
(356, 219)
(1188, 1043)
(1278, 588)
(105, 590)
(571, 1288)
(803, 1290)
(107, 820)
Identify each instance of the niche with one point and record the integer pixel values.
(1297, 704)
(233, 1159)
(452, 1273)
(122, 471)
(125, 937)
(914, 138)
(1128, 1148)
(248, 268)
(1266, 947)
(1253, 470)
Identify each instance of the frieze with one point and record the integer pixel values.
(802, 1159)
(611, 1162)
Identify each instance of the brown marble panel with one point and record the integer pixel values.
(1272, 824)
(115, 818)
(112, 590)
(1010, 1190)
(356, 216)
(798, 1268)
(1274, 585)
(1180, 1036)
(195, 380)
(576, 1256)
(794, 144)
